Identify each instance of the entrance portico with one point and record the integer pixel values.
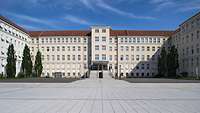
(100, 65)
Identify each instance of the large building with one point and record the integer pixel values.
(10, 33)
(187, 40)
(126, 53)
(74, 53)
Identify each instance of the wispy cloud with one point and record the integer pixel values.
(91, 4)
(77, 20)
(175, 5)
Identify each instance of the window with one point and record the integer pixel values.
(63, 48)
(154, 40)
(122, 48)
(126, 40)
(74, 48)
(110, 57)
(103, 39)
(85, 40)
(85, 48)
(85, 57)
(148, 57)
(63, 57)
(96, 56)
(127, 57)
(79, 39)
(143, 48)
(197, 34)
(110, 40)
(110, 48)
(143, 58)
(150, 40)
(153, 48)
(96, 39)
(73, 57)
(137, 57)
(103, 30)
(58, 39)
(132, 48)
(97, 47)
(79, 57)
(148, 48)
(121, 57)
(96, 30)
(127, 48)
(79, 48)
(58, 57)
(138, 48)
(132, 57)
(47, 48)
(103, 56)
(138, 40)
(42, 40)
(68, 57)
(58, 48)
(104, 47)
(68, 48)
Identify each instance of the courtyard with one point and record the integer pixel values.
(96, 95)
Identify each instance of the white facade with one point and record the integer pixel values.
(187, 41)
(124, 52)
(11, 34)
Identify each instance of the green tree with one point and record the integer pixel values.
(11, 62)
(26, 62)
(172, 62)
(162, 63)
(38, 64)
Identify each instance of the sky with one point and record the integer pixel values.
(34, 15)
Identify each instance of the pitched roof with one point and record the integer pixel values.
(112, 33)
(140, 33)
(59, 33)
(12, 23)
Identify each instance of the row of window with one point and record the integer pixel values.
(11, 41)
(190, 25)
(188, 38)
(62, 57)
(60, 40)
(13, 33)
(191, 51)
(62, 48)
(131, 40)
(127, 48)
(100, 30)
(126, 57)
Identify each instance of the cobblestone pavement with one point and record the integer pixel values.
(95, 95)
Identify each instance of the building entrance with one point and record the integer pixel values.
(100, 65)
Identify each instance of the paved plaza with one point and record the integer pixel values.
(95, 95)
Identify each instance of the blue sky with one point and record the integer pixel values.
(80, 14)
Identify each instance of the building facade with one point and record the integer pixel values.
(125, 53)
(187, 41)
(10, 33)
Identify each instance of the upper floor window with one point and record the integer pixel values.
(103, 47)
(96, 39)
(103, 56)
(96, 56)
(96, 30)
(96, 47)
(103, 30)
(103, 39)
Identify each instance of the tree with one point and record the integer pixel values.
(11, 62)
(38, 64)
(172, 62)
(26, 62)
(162, 63)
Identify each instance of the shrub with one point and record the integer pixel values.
(184, 74)
(20, 75)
